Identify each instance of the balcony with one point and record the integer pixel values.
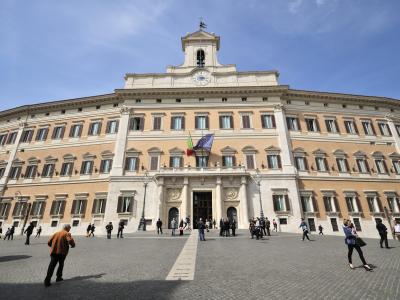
(206, 171)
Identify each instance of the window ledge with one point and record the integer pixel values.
(77, 215)
(101, 215)
(333, 213)
(122, 214)
(57, 216)
(282, 213)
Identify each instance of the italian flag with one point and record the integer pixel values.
(189, 143)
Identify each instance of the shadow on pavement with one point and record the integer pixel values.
(92, 289)
(13, 257)
(86, 277)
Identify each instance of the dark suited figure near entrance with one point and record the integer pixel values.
(109, 229)
(159, 226)
(201, 226)
(268, 226)
(233, 227)
(29, 232)
(221, 227)
(121, 227)
(59, 245)
(382, 230)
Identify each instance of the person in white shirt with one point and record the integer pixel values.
(397, 230)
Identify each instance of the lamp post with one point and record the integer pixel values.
(257, 180)
(142, 223)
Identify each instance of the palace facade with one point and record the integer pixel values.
(284, 152)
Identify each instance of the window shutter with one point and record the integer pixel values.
(315, 204)
(83, 209)
(33, 208)
(355, 127)
(127, 163)
(63, 169)
(171, 161)
(103, 208)
(373, 128)
(24, 208)
(370, 205)
(231, 121)
(269, 164)
(131, 203)
(7, 211)
(172, 122)
(62, 209)
(116, 126)
(42, 208)
(17, 204)
(305, 163)
(336, 126)
(367, 165)
(95, 202)
(379, 204)
(196, 122)
(207, 123)
(220, 121)
(71, 131)
(279, 161)
(91, 167)
(263, 121)
(183, 123)
(273, 121)
(387, 126)
(275, 200)
(317, 125)
(82, 167)
(102, 166)
(90, 131)
(108, 126)
(287, 203)
(326, 165)
(327, 126)
(137, 164)
(347, 165)
(234, 161)
(52, 207)
(359, 205)
(73, 208)
(326, 203)
(348, 204)
(385, 167)
(119, 207)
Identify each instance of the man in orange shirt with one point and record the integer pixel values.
(59, 245)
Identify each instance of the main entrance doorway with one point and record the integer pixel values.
(202, 207)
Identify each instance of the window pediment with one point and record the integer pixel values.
(319, 153)
(377, 154)
(107, 154)
(50, 159)
(17, 162)
(176, 151)
(133, 152)
(360, 154)
(33, 161)
(228, 150)
(394, 155)
(339, 153)
(272, 150)
(155, 150)
(69, 157)
(89, 156)
(249, 150)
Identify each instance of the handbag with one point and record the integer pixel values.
(360, 242)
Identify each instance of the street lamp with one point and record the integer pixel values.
(142, 223)
(257, 180)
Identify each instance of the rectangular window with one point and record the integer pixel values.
(2, 170)
(201, 161)
(250, 161)
(201, 122)
(396, 166)
(384, 129)
(112, 126)
(136, 124)
(362, 165)
(246, 122)
(75, 223)
(334, 224)
(177, 123)
(350, 127)
(268, 122)
(293, 123)
(225, 122)
(312, 125)
(26, 136)
(274, 161)
(48, 170)
(306, 203)
(41, 134)
(76, 131)
(94, 128)
(54, 223)
(367, 126)
(12, 137)
(321, 164)
(19, 209)
(156, 123)
(57, 208)
(300, 163)
(311, 224)
(66, 169)
(281, 203)
(342, 165)
(372, 205)
(99, 206)
(131, 164)
(105, 165)
(176, 162)
(331, 126)
(78, 207)
(398, 129)
(357, 224)
(328, 204)
(125, 204)
(87, 167)
(58, 132)
(4, 209)
(381, 166)
(38, 208)
(30, 171)
(350, 204)
(228, 161)
(3, 138)
(15, 172)
(153, 163)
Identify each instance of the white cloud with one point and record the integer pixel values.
(294, 6)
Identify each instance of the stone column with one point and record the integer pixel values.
(243, 202)
(218, 200)
(120, 143)
(356, 209)
(333, 204)
(184, 195)
(376, 205)
(392, 127)
(160, 200)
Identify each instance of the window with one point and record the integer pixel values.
(176, 162)
(105, 165)
(331, 126)
(293, 123)
(306, 202)
(342, 164)
(394, 204)
(4, 209)
(15, 172)
(328, 203)
(26, 136)
(75, 223)
(201, 122)
(136, 124)
(78, 207)
(246, 121)
(87, 167)
(396, 166)
(301, 163)
(357, 224)
(112, 126)
(250, 161)
(201, 161)
(3, 138)
(374, 204)
(48, 170)
(2, 170)
(54, 223)
(125, 204)
(38, 208)
(334, 224)
(398, 129)
(153, 163)
(177, 122)
(268, 122)
(156, 122)
(368, 128)
(99, 206)
(12, 137)
(351, 202)
(384, 129)
(351, 127)
(131, 164)
(66, 169)
(381, 166)
(58, 132)
(19, 209)
(274, 161)
(200, 58)
(76, 131)
(94, 128)
(281, 203)
(41, 134)
(30, 171)
(228, 161)
(362, 165)
(321, 164)
(57, 208)
(312, 125)
(225, 122)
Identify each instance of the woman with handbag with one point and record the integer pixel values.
(352, 243)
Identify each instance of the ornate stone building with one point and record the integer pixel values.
(289, 153)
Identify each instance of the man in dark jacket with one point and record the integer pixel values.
(29, 232)
(221, 227)
(382, 230)
(12, 230)
(109, 229)
(159, 226)
(121, 226)
(268, 226)
(226, 227)
(233, 227)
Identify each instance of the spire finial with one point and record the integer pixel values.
(202, 25)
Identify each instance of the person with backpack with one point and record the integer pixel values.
(304, 227)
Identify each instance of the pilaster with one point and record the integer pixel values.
(243, 203)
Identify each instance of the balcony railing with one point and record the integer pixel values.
(202, 170)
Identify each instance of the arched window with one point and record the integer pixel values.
(200, 58)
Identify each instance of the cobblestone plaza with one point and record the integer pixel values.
(136, 267)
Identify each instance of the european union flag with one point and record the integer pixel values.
(205, 142)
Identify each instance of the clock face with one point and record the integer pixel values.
(201, 78)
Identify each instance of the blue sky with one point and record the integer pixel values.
(53, 50)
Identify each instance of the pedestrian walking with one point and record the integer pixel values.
(214, 224)
(181, 227)
(92, 228)
(1, 231)
(121, 226)
(268, 226)
(353, 242)
(38, 232)
(252, 228)
(109, 229)
(320, 229)
(304, 227)
(7, 235)
(275, 225)
(262, 224)
(233, 227)
(159, 226)
(201, 227)
(382, 230)
(173, 226)
(28, 232)
(396, 230)
(59, 245)
(88, 230)
(188, 223)
(221, 227)
(208, 225)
